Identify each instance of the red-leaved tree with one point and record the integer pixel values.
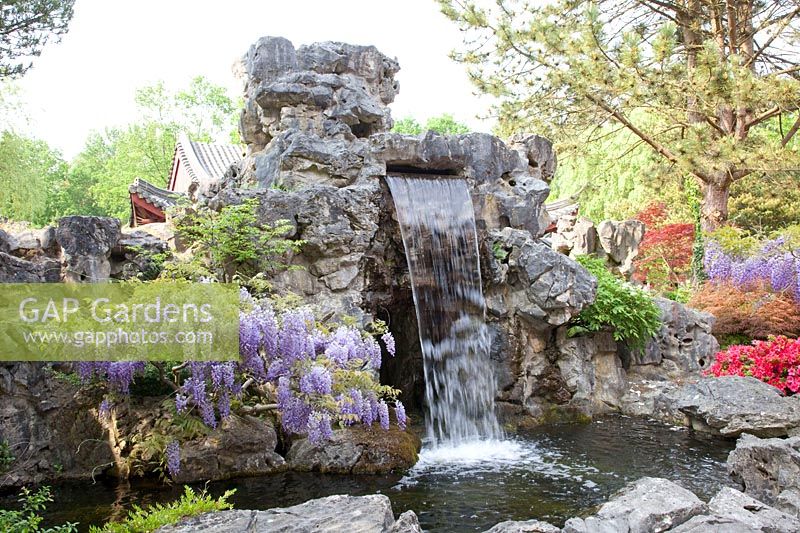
(665, 253)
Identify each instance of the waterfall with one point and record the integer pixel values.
(437, 223)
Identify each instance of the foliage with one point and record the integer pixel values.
(31, 175)
(753, 312)
(25, 28)
(317, 376)
(699, 87)
(27, 519)
(444, 124)
(776, 361)
(153, 517)
(664, 261)
(627, 310)
(232, 243)
(111, 160)
(6, 455)
(766, 204)
(612, 175)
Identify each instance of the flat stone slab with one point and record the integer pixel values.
(334, 514)
(731, 405)
(649, 505)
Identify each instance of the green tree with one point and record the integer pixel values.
(708, 76)
(30, 172)
(444, 124)
(25, 27)
(111, 160)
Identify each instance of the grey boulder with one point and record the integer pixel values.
(768, 470)
(334, 514)
(649, 505)
(731, 405)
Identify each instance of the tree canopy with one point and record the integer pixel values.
(444, 124)
(25, 27)
(111, 160)
(699, 82)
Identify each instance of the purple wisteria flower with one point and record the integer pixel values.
(173, 456)
(319, 428)
(104, 411)
(317, 381)
(773, 265)
(388, 340)
(400, 414)
(383, 414)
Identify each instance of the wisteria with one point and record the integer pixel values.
(775, 265)
(321, 378)
(172, 454)
(118, 374)
(317, 377)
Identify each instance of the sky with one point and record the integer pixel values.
(88, 80)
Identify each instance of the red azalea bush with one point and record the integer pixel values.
(776, 361)
(665, 253)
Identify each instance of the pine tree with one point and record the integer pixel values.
(709, 75)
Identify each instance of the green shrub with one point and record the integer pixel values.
(627, 310)
(232, 245)
(153, 517)
(27, 519)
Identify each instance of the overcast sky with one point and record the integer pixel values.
(113, 47)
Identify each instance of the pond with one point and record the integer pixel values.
(551, 473)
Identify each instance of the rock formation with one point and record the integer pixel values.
(615, 241)
(316, 126)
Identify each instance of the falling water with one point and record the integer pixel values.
(437, 223)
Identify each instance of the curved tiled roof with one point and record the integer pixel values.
(206, 162)
(156, 196)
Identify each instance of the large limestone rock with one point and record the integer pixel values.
(615, 241)
(683, 344)
(357, 450)
(362, 514)
(86, 244)
(308, 110)
(532, 281)
(538, 152)
(242, 446)
(768, 470)
(731, 405)
(732, 504)
(51, 427)
(649, 505)
(16, 270)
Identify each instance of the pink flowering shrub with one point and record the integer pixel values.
(776, 361)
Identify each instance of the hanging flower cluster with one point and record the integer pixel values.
(317, 377)
(774, 266)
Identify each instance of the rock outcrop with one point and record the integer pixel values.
(363, 514)
(50, 427)
(647, 505)
(357, 450)
(683, 345)
(615, 241)
(241, 446)
(768, 470)
(729, 406)
(79, 249)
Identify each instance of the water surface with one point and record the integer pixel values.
(551, 474)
